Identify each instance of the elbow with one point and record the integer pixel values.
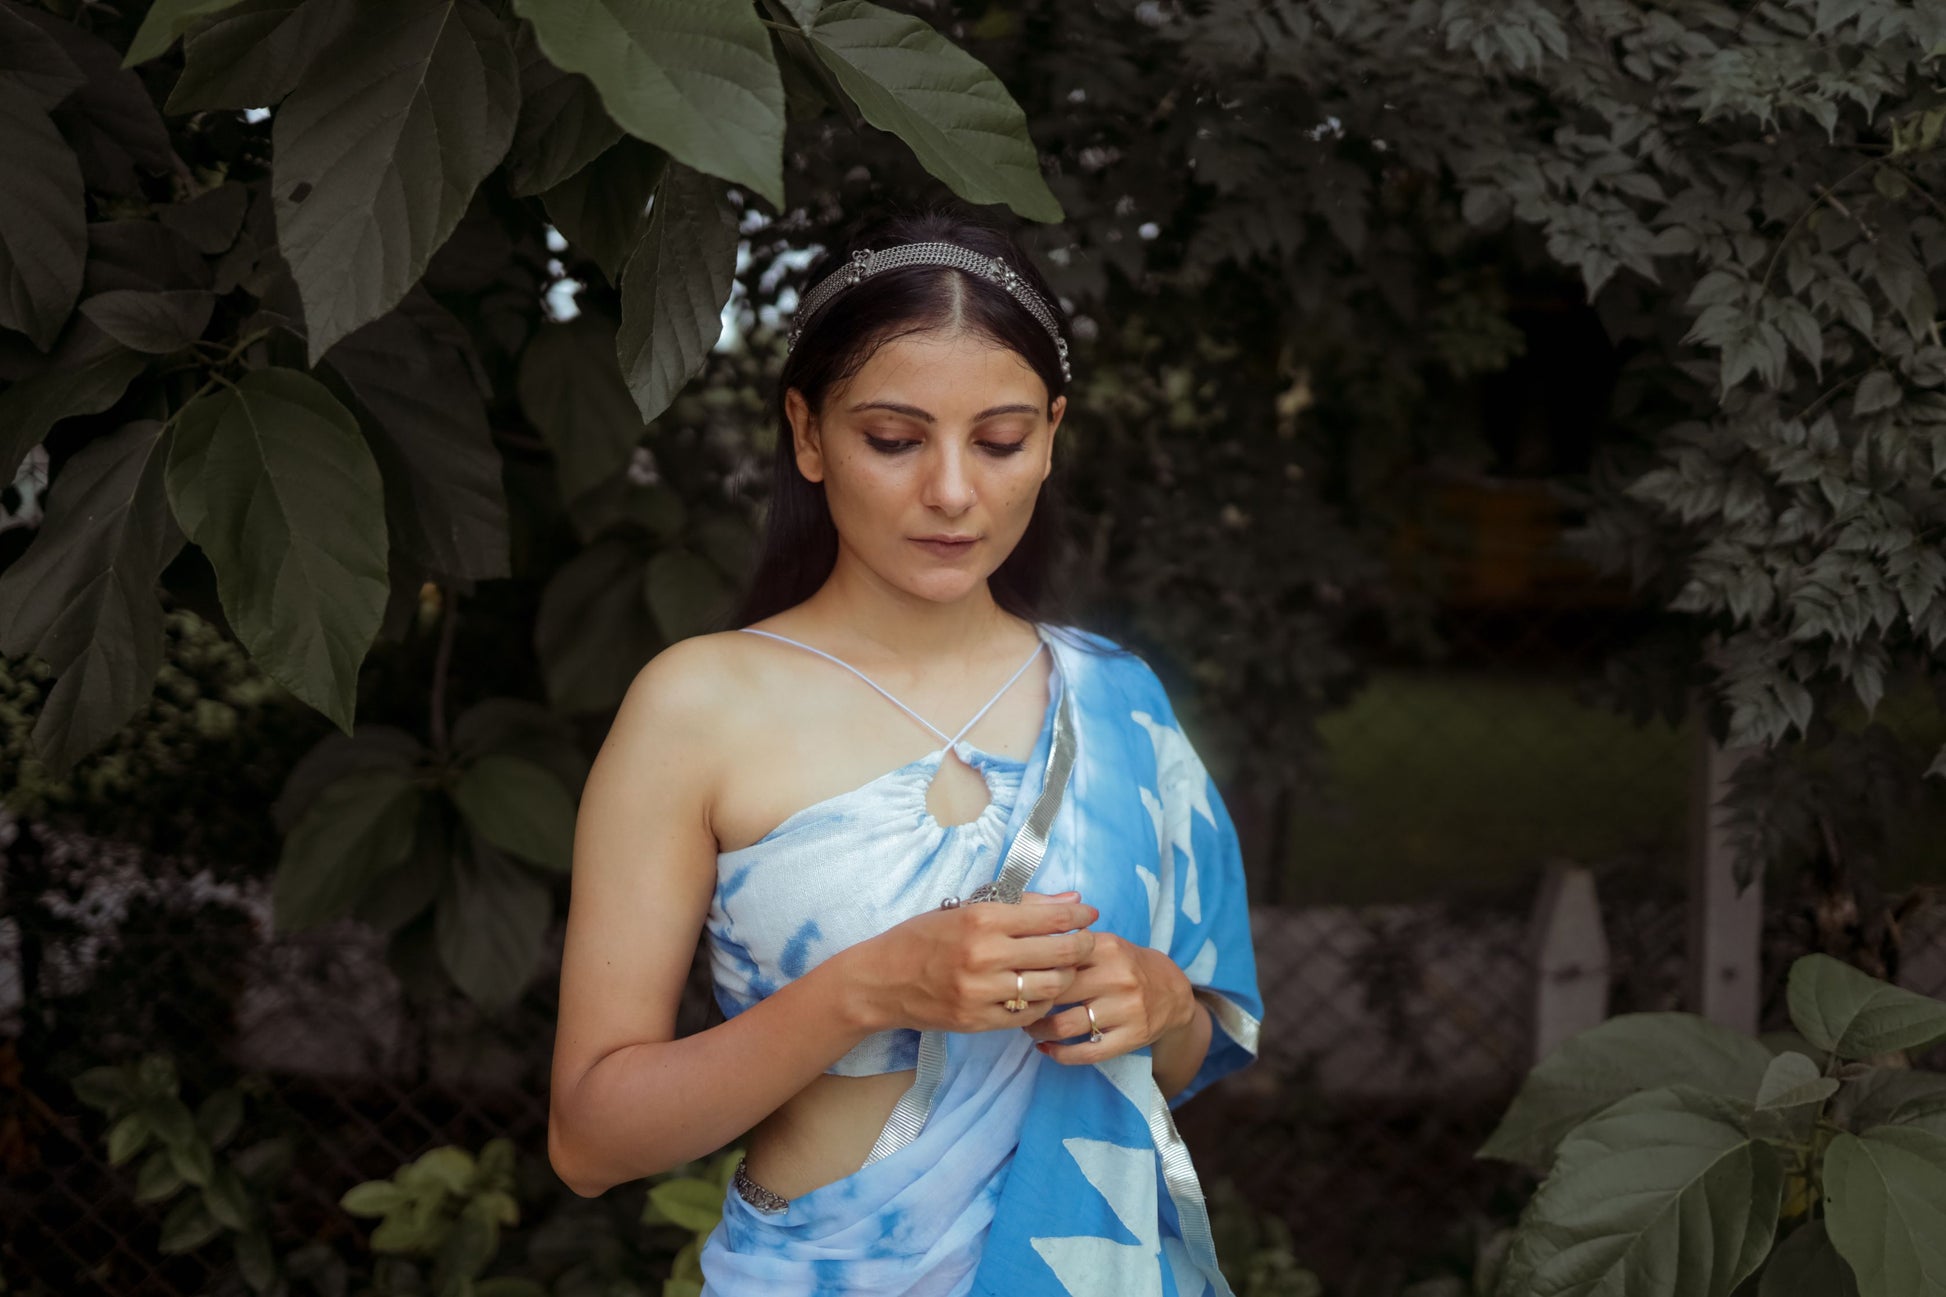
(561, 1156)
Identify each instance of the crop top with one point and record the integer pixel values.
(849, 867)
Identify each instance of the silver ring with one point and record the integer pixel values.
(1094, 1028)
(950, 903)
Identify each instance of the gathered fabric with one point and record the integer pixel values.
(1001, 1170)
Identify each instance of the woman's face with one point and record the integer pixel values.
(941, 437)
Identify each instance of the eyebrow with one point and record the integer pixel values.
(914, 412)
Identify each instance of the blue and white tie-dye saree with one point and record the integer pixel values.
(1002, 1171)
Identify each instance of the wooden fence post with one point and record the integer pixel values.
(1725, 928)
(1570, 956)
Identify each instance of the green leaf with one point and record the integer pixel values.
(467, 1248)
(561, 128)
(107, 1088)
(158, 323)
(34, 62)
(355, 830)
(518, 807)
(272, 479)
(686, 593)
(128, 1137)
(187, 1226)
(1854, 1015)
(674, 287)
(953, 113)
(83, 597)
(43, 226)
(219, 1116)
(30, 407)
(1885, 1205)
(158, 1179)
(602, 209)
(1628, 1053)
(256, 1261)
(166, 20)
(594, 630)
(489, 926)
(377, 153)
(1661, 1195)
(194, 1161)
(696, 80)
(446, 508)
(691, 1203)
(1879, 391)
(449, 1168)
(1792, 1081)
(374, 1198)
(1806, 1265)
(227, 1198)
(1894, 1096)
(571, 389)
(251, 55)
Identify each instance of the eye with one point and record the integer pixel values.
(888, 446)
(1005, 447)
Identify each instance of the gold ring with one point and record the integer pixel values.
(1094, 1028)
(1019, 1000)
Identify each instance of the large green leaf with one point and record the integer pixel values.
(402, 894)
(43, 226)
(166, 20)
(337, 755)
(109, 121)
(1806, 1265)
(83, 596)
(356, 829)
(1893, 1096)
(1885, 1205)
(518, 807)
(686, 593)
(489, 925)
(34, 63)
(948, 107)
(528, 728)
(1854, 1015)
(570, 388)
(602, 208)
(674, 288)
(562, 127)
(1630, 1052)
(377, 153)
(252, 55)
(272, 480)
(155, 322)
(446, 508)
(593, 631)
(1661, 1195)
(33, 405)
(695, 78)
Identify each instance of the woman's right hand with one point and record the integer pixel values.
(951, 970)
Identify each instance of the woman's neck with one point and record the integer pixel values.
(859, 606)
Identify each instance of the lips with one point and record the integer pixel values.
(945, 548)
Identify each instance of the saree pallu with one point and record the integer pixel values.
(1002, 1171)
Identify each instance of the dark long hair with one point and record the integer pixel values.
(800, 544)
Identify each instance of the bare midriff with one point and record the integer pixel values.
(823, 1132)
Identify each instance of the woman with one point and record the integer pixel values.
(871, 936)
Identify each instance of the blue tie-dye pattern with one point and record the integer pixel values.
(1028, 1176)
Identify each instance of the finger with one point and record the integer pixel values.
(1083, 1052)
(1054, 950)
(1043, 988)
(1060, 1026)
(1050, 896)
(1044, 917)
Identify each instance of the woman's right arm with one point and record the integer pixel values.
(630, 1100)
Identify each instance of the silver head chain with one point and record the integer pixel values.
(866, 263)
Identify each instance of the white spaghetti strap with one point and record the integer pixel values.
(952, 741)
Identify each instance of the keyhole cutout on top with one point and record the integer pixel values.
(958, 793)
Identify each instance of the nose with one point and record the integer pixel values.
(948, 485)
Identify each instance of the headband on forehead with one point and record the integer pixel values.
(866, 263)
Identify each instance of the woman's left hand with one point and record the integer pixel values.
(1139, 994)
